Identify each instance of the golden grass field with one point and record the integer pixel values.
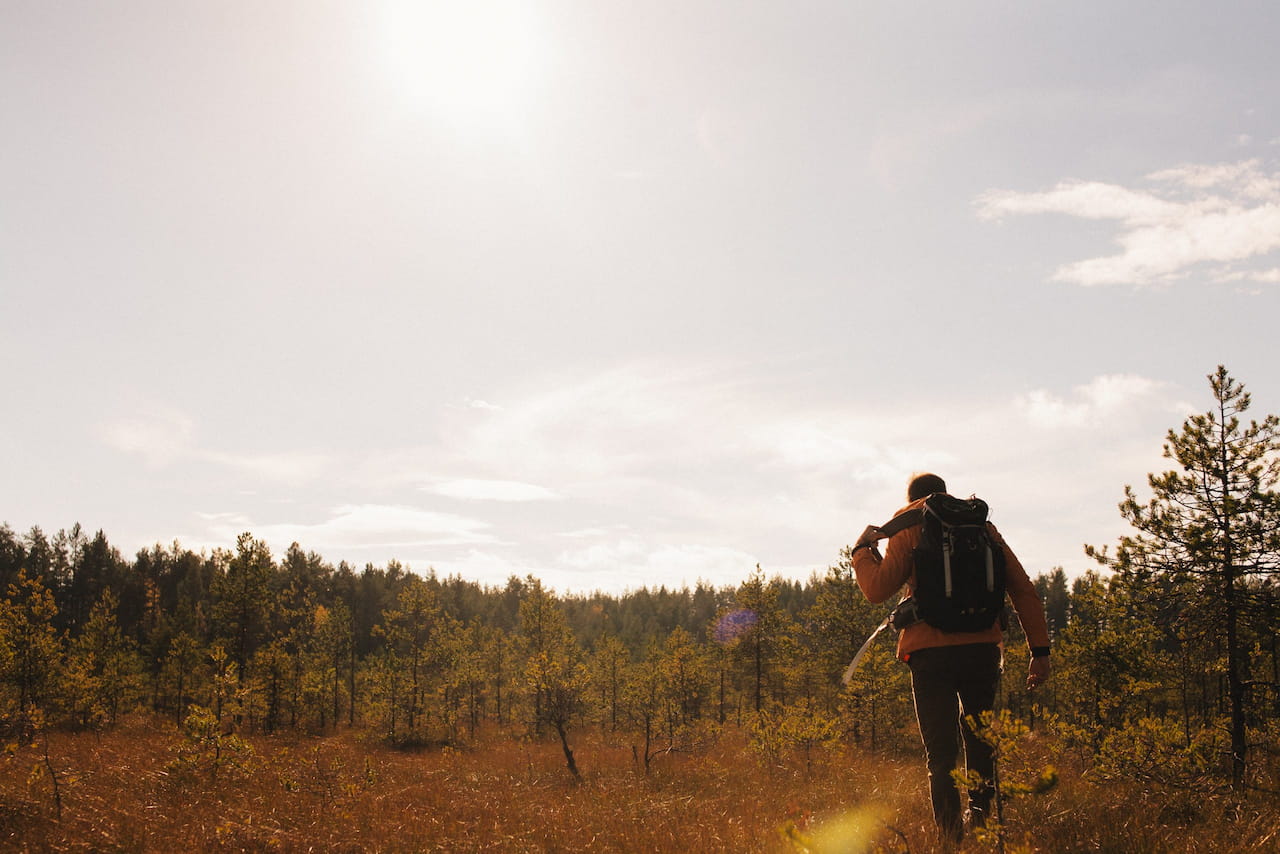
(125, 790)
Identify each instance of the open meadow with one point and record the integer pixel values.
(142, 788)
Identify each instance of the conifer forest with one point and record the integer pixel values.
(241, 699)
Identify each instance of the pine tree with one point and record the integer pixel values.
(555, 671)
(334, 637)
(609, 663)
(107, 664)
(767, 634)
(1052, 588)
(643, 695)
(413, 631)
(243, 598)
(31, 658)
(1211, 533)
(686, 674)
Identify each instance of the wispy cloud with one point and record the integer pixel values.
(164, 437)
(159, 436)
(657, 473)
(474, 489)
(1221, 214)
(633, 562)
(1096, 403)
(605, 424)
(228, 521)
(1269, 277)
(662, 469)
(286, 466)
(387, 529)
(806, 443)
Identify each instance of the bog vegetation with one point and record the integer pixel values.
(241, 700)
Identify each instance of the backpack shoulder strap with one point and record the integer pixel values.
(901, 522)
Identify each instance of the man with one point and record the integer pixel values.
(950, 665)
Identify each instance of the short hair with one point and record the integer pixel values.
(924, 485)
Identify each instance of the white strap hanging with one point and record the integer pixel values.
(946, 559)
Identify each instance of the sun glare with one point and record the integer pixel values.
(477, 60)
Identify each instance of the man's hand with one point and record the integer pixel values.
(1038, 672)
(869, 536)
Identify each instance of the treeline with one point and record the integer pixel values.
(161, 629)
(1166, 666)
(262, 644)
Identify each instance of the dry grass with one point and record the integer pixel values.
(122, 792)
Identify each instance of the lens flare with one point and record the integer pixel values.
(734, 625)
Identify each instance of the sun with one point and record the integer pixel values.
(478, 60)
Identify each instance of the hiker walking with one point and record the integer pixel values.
(957, 569)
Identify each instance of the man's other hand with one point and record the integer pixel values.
(1038, 672)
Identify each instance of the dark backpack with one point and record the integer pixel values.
(960, 571)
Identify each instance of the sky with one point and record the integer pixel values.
(621, 294)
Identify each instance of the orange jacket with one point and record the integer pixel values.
(880, 578)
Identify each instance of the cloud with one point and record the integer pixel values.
(1084, 199)
(614, 567)
(612, 423)
(488, 567)
(164, 437)
(663, 475)
(1244, 178)
(811, 444)
(633, 562)
(160, 436)
(1195, 214)
(680, 474)
(1093, 404)
(1271, 276)
(374, 527)
(659, 424)
(471, 489)
(287, 467)
(227, 521)
(702, 455)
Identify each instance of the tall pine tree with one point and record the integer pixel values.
(1211, 532)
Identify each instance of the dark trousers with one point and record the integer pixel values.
(945, 680)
